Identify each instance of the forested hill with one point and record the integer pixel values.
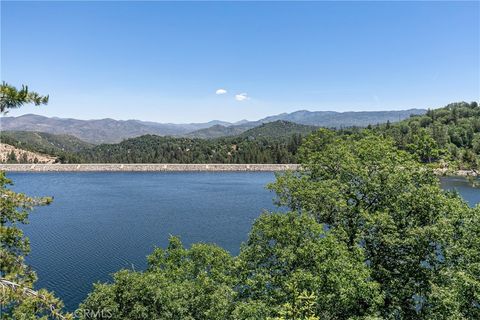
(65, 148)
(278, 129)
(449, 135)
(218, 131)
(43, 142)
(157, 149)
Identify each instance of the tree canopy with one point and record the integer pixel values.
(380, 200)
(449, 135)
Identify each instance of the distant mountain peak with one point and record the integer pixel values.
(110, 130)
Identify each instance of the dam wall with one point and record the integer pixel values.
(144, 167)
(174, 167)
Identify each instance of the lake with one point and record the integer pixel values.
(102, 222)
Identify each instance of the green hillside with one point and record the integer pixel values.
(278, 129)
(274, 129)
(217, 131)
(157, 149)
(275, 142)
(44, 141)
(445, 136)
(63, 146)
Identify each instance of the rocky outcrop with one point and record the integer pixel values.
(11, 153)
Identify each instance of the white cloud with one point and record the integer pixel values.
(220, 91)
(241, 96)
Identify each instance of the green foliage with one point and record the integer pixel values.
(424, 147)
(377, 198)
(156, 149)
(278, 129)
(179, 284)
(11, 97)
(450, 134)
(302, 308)
(456, 294)
(217, 131)
(291, 253)
(12, 157)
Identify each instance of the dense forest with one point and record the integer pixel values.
(449, 135)
(64, 147)
(155, 149)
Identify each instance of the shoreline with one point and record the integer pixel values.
(455, 173)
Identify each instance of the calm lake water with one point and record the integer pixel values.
(102, 222)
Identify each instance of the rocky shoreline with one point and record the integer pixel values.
(460, 173)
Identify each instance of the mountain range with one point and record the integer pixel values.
(113, 131)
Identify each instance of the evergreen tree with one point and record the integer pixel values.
(11, 97)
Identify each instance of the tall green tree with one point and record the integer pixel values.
(456, 291)
(180, 283)
(379, 199)
(290, 254)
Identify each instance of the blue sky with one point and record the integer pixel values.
(163, 61)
